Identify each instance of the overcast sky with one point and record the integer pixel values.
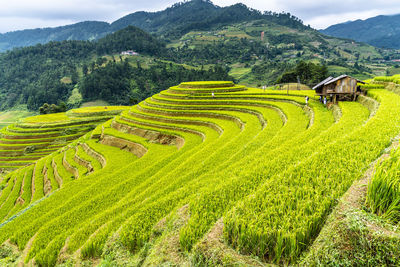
(28, 14)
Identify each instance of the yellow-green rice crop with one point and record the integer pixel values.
(271, 167)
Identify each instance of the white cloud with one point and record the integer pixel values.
(22, 14)
(9, 23)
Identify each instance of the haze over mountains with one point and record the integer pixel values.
(380, 31)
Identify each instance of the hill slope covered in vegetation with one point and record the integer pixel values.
(49, 73)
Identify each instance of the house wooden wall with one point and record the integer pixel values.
(346, 85)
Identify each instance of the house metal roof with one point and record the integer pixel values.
(330, 80)
(322, 83)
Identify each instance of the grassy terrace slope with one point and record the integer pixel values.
(383, 196)
(25, 142)
(199, 162)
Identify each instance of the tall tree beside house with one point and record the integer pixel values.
(305, 72)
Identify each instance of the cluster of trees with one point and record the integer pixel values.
(273, 72)
(121, 83)
(229, 51)
(33, 75)
(53, 108)
(304, 72)
(130, 38)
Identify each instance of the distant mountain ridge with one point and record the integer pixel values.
(88, 30)
(380, 31)
(172, 22)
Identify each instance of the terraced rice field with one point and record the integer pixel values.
(25, 142)
(152, 182)
(383, 196)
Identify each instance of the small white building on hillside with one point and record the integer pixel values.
(129, 53)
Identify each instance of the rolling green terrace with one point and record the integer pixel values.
(202, 163)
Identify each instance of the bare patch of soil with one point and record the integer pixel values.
(123, 144)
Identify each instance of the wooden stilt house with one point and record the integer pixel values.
(341, 87)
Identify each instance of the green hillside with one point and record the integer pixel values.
(204, 173)
(48, 73)
(187, 16)
(253, 60)
(63, 71)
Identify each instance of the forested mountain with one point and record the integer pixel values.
(130, 38)
(380, 31)
(33, 75)
(184, 17)
(48, 73)
(172, 22)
